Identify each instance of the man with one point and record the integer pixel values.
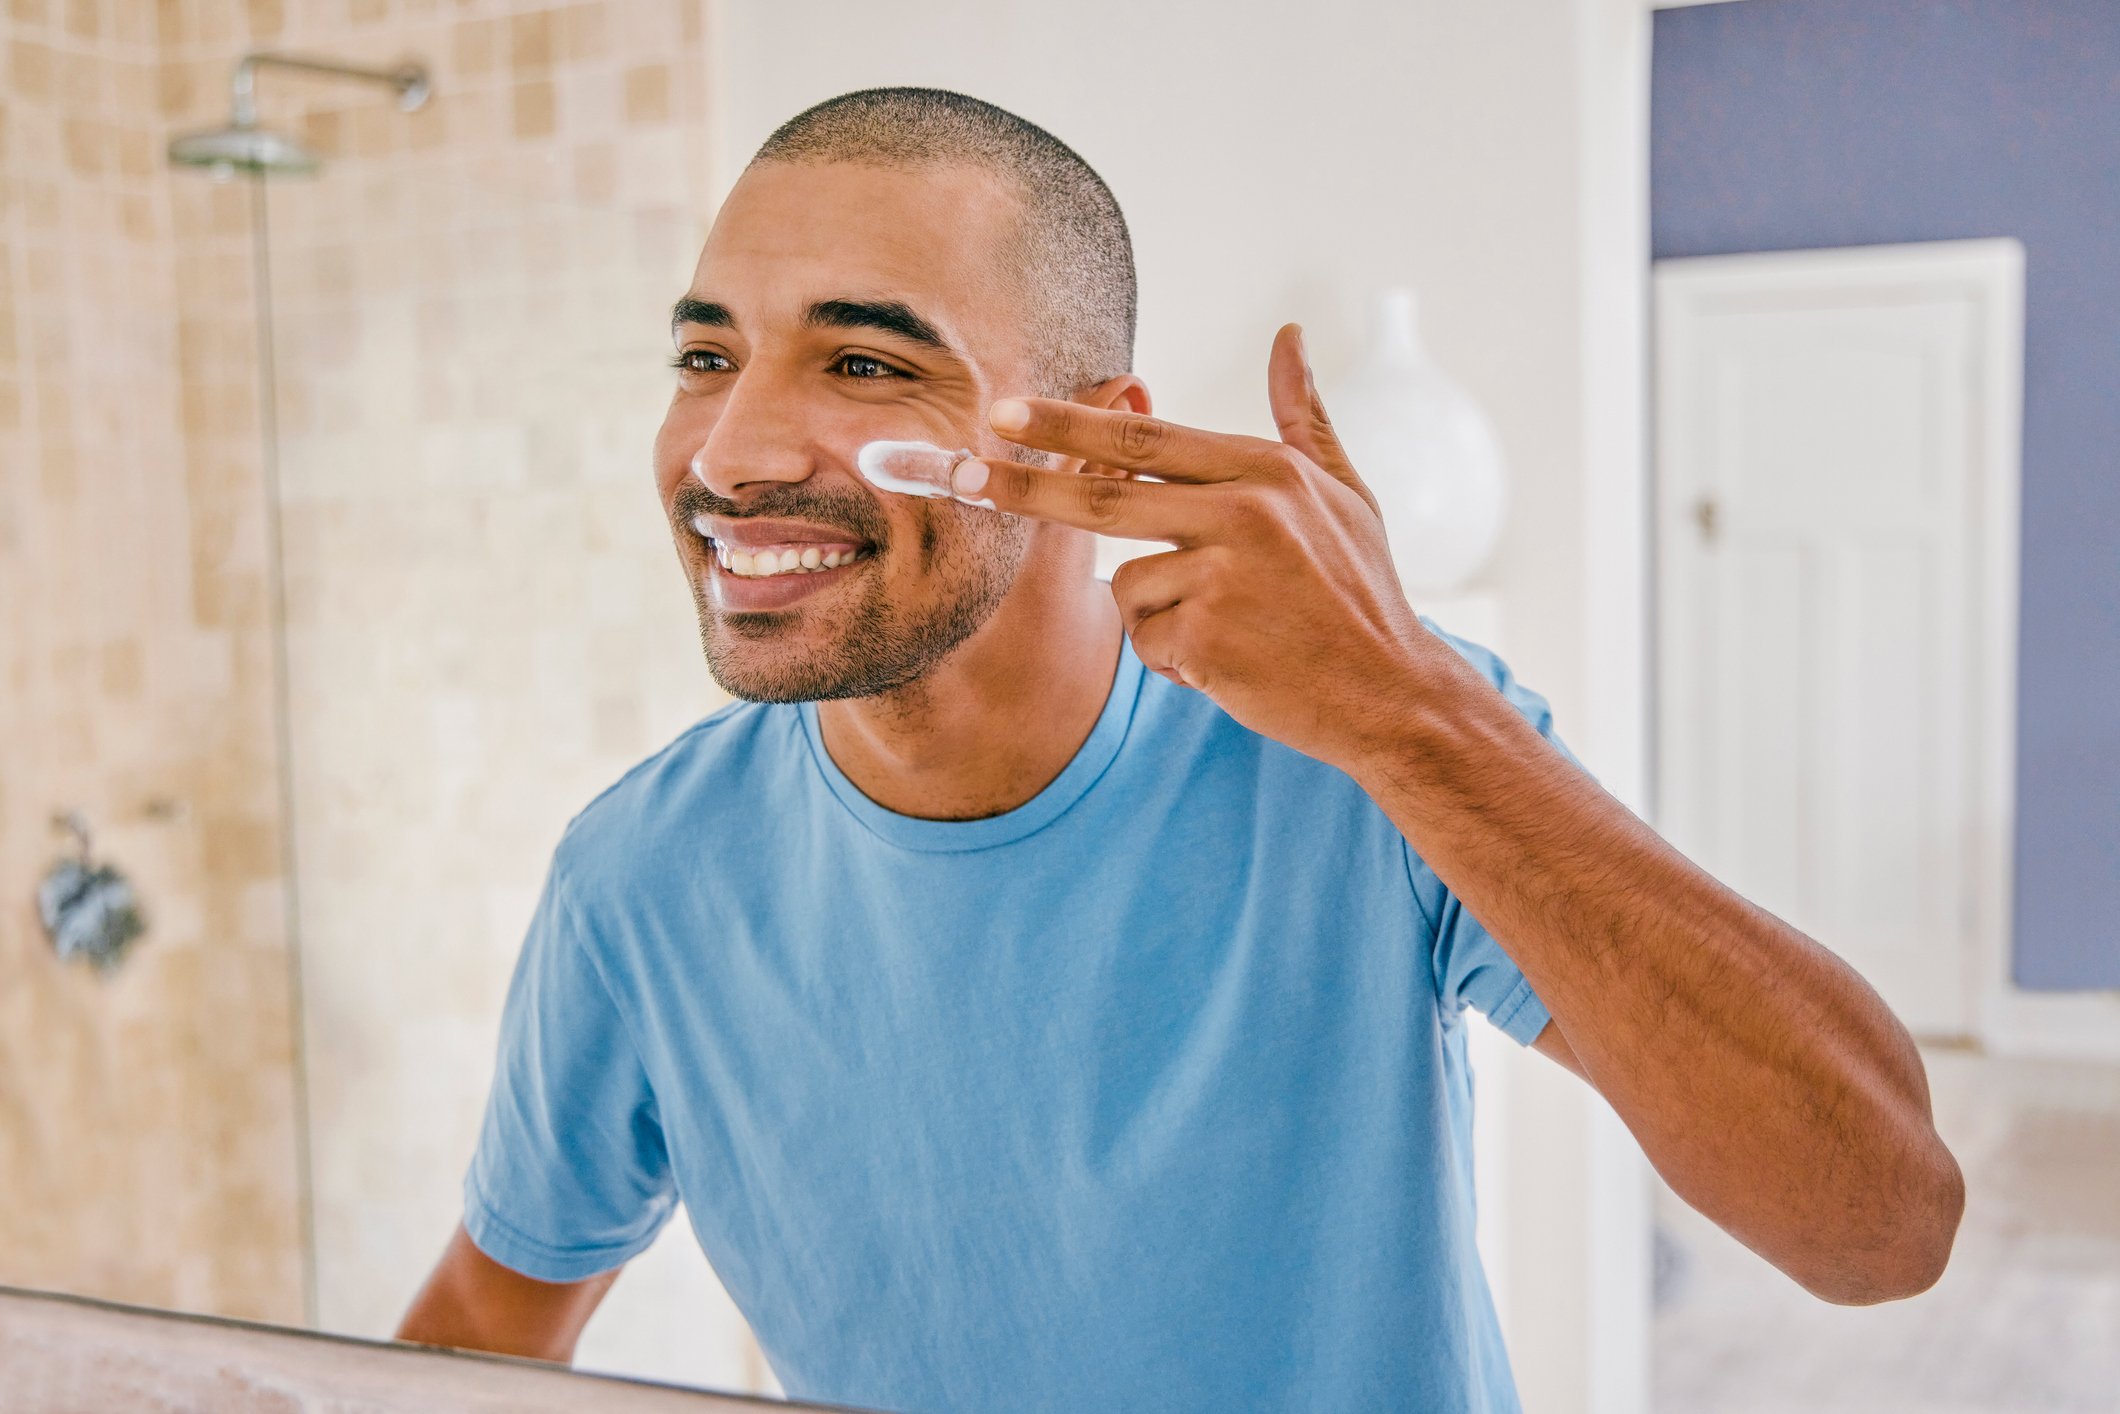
(1046, 995)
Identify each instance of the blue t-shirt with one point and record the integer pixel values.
(1150, 1093)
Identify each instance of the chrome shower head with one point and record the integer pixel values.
(243, 146)
(238, 148)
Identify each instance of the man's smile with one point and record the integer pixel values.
(769, 564)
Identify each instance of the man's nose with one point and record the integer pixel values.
(758, 438)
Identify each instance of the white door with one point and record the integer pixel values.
(1836, 526)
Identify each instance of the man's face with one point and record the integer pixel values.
(835, 305)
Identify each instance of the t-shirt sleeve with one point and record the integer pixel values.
(571, 1176)
(1470, 966)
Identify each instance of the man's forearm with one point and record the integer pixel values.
(1766, 1081)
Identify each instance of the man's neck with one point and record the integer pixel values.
(997, 720)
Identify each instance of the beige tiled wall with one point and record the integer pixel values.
(485, 620)
(147, 1117)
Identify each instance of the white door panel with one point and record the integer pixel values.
(1824, 426)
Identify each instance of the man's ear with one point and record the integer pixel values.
(1126, 393)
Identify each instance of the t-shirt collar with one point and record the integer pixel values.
(1090, 761)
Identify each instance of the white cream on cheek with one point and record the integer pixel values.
(909, 468)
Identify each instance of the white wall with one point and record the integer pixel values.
(1280, 162)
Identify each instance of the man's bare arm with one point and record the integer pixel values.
(1766, 1081)
(472, 1302)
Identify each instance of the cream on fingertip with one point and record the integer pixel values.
(922, 469)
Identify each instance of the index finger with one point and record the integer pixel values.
(1127, 440)
(1109, 505)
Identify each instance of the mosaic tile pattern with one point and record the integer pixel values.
(147, 1118)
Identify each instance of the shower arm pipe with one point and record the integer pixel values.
(409, 79)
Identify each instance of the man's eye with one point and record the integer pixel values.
(700, 361)
(863, 367)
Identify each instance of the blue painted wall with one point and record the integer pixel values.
(1790, 124)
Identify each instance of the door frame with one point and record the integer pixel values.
(1987, 275)
(1595, 1251)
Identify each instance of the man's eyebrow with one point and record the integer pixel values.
(889, 316)
(699, 311)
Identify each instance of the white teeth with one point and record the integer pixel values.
(804, 559)
(758, 564)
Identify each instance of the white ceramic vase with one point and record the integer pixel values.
(1425, 448)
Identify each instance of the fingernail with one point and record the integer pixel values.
(1009, 415)
(968, 478)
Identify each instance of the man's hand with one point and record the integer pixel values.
(1279, 601)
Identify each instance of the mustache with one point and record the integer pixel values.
(840, 507)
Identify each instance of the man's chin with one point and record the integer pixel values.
(818, 653)
(754, 661)
(748, 680)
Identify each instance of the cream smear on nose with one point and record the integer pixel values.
(913, 468)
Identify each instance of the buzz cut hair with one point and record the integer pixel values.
(1075, 257)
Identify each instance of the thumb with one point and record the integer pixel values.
(1299, 412)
